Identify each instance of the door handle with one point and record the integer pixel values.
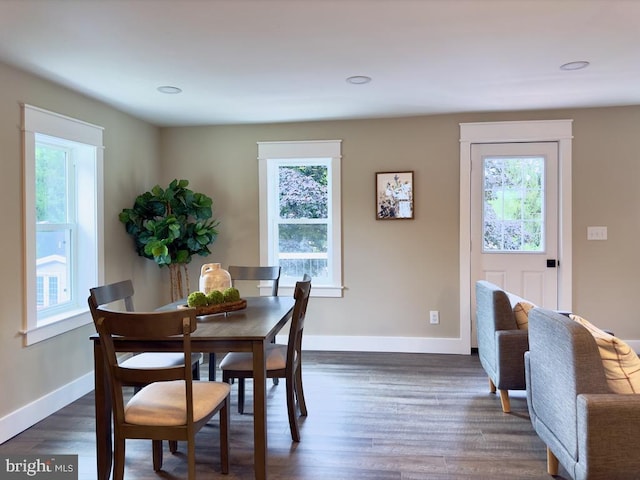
(552, 263)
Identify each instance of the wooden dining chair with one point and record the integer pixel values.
(170, 405)
(283, 361)
(123, 292)
(241, 273)
(244, 274)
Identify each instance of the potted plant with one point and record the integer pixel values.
(170, 226)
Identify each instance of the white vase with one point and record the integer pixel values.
(213, 277)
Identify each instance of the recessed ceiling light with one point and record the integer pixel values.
(358, 79)
(574, 65)
(169, 89)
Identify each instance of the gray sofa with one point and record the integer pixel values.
(501, 345)
(593, 433)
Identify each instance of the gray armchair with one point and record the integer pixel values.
(501, 345)
(592, 432)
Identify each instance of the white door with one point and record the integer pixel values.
(514, 219)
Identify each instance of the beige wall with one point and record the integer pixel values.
(394, 272)
(131, 151)
(606, 178)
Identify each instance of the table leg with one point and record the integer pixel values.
(260, 410)
(104, 448)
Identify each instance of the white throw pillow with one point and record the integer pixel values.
(521, 312)
(621, 363)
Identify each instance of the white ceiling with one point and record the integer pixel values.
(256, 61)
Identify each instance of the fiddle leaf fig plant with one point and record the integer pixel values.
(170, 226)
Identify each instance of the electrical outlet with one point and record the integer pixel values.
(434, 317)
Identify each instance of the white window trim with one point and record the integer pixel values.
(304, 150)
(37, 120)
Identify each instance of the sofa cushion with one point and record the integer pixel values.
(621, 363)
(521, 312)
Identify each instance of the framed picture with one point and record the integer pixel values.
(394, 195)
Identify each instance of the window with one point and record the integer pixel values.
(300, 226)
(63, 221)
(56, 223)
(514, 201)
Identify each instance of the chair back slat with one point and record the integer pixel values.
(113, 292)
(256, 273)
(145, 376)
(146, 325)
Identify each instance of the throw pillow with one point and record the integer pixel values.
(521, 312)
(621, 363)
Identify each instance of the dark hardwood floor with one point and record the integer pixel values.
(372, 416)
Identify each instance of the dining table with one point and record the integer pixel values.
(247, 330)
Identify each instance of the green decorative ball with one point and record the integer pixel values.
(215, 297)
(197, 299)
(231, 294)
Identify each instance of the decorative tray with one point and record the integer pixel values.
(219, 308)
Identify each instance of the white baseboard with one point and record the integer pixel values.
(383, 344)
(394, 344)
(30, 414)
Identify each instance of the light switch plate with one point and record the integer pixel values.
(596, 233)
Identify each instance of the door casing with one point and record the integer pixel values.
(559, 131)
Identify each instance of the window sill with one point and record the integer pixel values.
(56, 326)
(316, 291)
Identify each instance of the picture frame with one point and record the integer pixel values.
(394, 195)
